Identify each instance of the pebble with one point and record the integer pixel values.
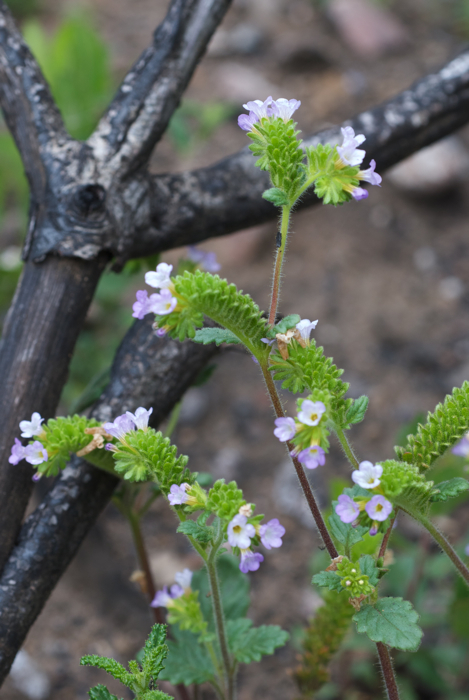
(29, 678)
(434, 170)
(368, 30)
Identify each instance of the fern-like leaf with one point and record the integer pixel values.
(111, 666)
(444, 427)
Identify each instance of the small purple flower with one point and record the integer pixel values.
(312, 457)
(466, 550)
(177, 494)
(36, 453)
(184, 578)
(161, 332)
(311, 412)
(247, 121)
(304, 328)
(161, 278)
(122, 425)
(206, 260)
(37, 476)
(358, 193)
(18, 452)
(140, 418)
(141, 307)
(369, 175)
(367, 475)
(250, 561)
(32, 427)
(163, 303)
(240, 532)
(268, 341)
(378, 508)
(164, 598)
(271, 534)
(285, 430)
(260, 109)
(461, 448)
(374, 529)
(347, 509)
(348, 152)
(284, 108)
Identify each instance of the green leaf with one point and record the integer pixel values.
(328, 579)
(188, 661)
(392, 621)
(201, 533)
(368, 568)
(155, 695)
(449, 489)
(111, 666)
(100, 692)
(285, 324)
(345, 533)
(357, 410)
(249, 643)
(215, 335)
(155, 652)
(276, 196)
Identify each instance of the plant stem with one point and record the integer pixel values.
(304, 483)
(346, 447)
(219, 619)
(388, 671)
(387, 535)
(445, 545)
(278, 264)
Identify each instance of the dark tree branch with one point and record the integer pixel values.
(147, 371)
(148, 96)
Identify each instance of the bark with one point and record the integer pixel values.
(147, 371)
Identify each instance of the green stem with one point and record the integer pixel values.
(444, 544)
(173, 419)
(346, 447)
(388, 671)
(300, 472)
(278, 264)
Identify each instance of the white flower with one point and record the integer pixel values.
(32, 427)
(163, 303)
(36, 453)
(367, 475)
(348, 152)
(240, 532)
(161, 278)
(311, 412)
(140, 417)
(184, 578)
(304, 329)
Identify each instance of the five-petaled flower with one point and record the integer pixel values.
(161, 278)
(121, 425)
(240, 532)
(312, 457)
(285, 429)
(347, 509)
(177, 494)
(367, 475)
(36, 453)
(163, 303)
(271, 534)
(33, 427)
(250, 561)
(348, 151)
(311, 412)
(378, 508)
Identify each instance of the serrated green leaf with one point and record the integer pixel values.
(449, 489)
(201, 533)
(111, 666)
(188, 661)
(328, 579)
(368, 568)
(100, 692)
(357, 410)
(155, 695)
(392, 621)
(249, 643)
(345, 533)
(154, 652)
(276, 196)
(215, 335)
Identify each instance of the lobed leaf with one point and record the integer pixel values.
(344, 532)
(215, 335)
(200, 533)
(392, 621)
(449, 489)
(329, 580)
(111, 666)
(356, 412)
(100, 692)
(188, 661)
(249, 643)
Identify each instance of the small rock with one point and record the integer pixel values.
(368, 30)
(243, 39)
(29, 678)
(434, 170)
(239, 83)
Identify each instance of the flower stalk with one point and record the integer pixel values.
(286, 210)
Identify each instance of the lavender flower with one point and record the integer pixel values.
(240, 532)
(378, 508)
(311, 412)
(348, 152)
(367, 475)
(271, 534)
(466, 550)
(140, 418)
(374, 529)
(347, 509)
(36, 453)
(285, 429)
(161, 332)
(163, 303)
(312, 457)
(370, 176)
(250, 561)
(32, 427)
(260, 109)
(177, 494)
(284, 109)
(18, 452)
(184, 578)
(247, 121)
(164, 598)
(206, 260)
(304, 328)
(161, 278)
(141, 307)
(122, 425)
(37, 476)
(358, 193)
(461, 448)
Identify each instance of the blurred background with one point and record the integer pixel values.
(388, 279)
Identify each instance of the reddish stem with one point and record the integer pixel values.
(388, 671)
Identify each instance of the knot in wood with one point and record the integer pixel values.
(90, 199)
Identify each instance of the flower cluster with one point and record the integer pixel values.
(350, 154)
(126, 423)
(35, 453)
(361, 509)
(258, 110)
(206, 260)
(160, 304)
(306, 432)
(242, 534)
(301, 333)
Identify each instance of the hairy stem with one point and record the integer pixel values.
(278, 264)
(445, 545)
(346, 447)
(388, 671)
(305, 485)
(387, 535)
